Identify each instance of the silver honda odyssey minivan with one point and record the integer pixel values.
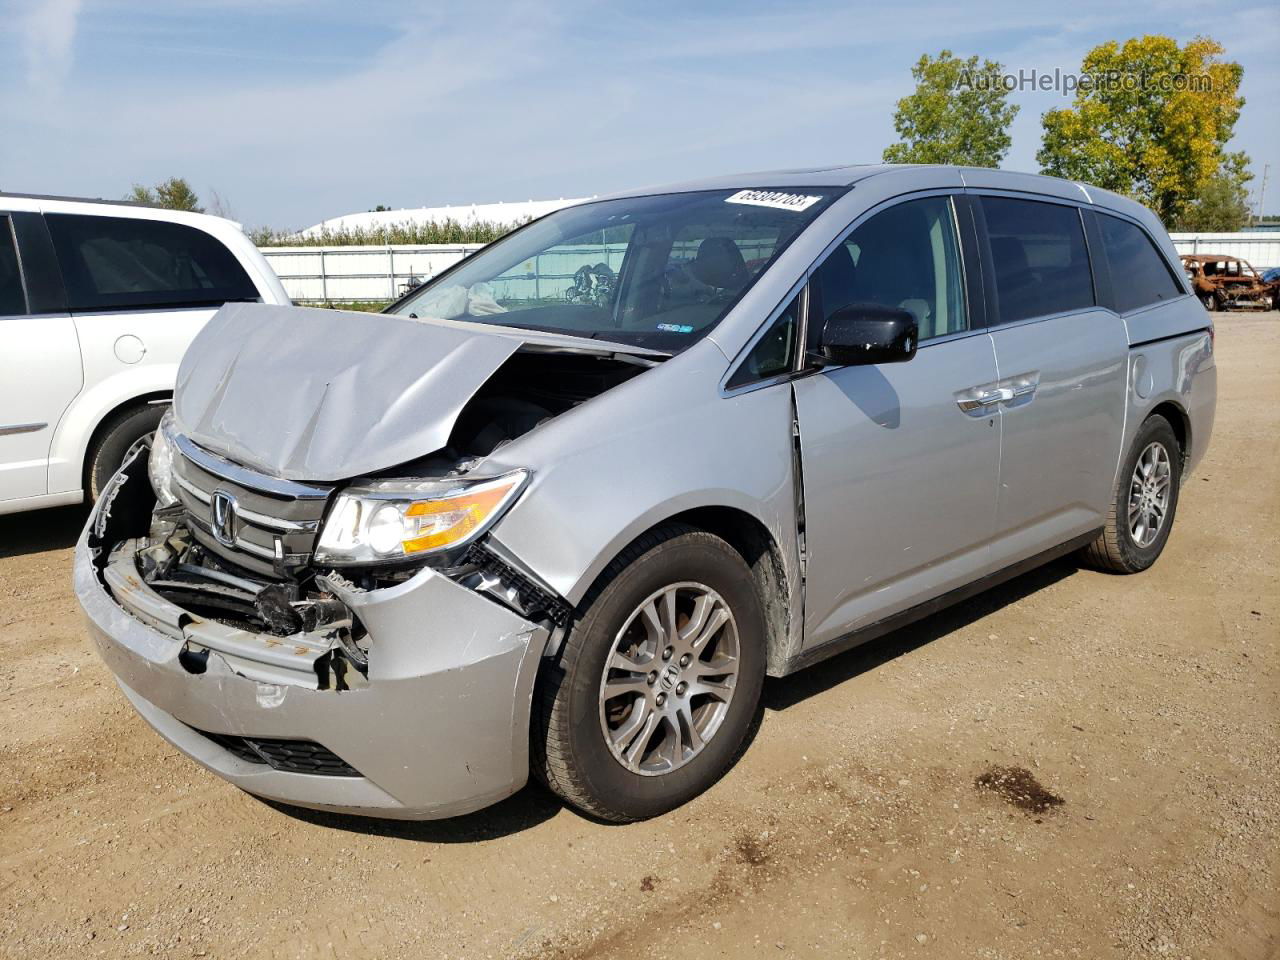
(562, 509)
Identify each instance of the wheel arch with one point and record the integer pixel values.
(79, 426)
(96, 434)
(751, 539)
(1180, 421)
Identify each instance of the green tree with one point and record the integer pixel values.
(959, 113)
(1151, 121)
(172, 194)
(1222, 205)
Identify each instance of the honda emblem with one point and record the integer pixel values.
(222, 506)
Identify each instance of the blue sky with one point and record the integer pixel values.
(298, 110)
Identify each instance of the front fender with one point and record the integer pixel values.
(659, 445)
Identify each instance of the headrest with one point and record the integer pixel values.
(719, 263)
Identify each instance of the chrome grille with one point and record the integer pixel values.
(274, 523)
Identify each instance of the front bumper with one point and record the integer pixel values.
(441, 728)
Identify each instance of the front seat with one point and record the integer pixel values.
(719, 264)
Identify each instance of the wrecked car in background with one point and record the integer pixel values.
(1228, 283)
(391, 567)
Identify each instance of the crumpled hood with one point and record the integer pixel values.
(312, 394)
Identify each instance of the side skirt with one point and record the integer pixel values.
(878, 629)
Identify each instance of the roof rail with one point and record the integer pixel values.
(51, 196)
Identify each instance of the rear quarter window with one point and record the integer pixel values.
(1139, 274)
(114, 263)
(1039, 257)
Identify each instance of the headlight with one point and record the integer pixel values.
(397, 519)
(160, 462)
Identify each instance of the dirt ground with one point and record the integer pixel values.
(872, 816)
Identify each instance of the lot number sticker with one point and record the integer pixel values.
(774, 198)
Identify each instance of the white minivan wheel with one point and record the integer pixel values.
(113, 441)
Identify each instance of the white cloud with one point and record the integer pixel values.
(48, 32)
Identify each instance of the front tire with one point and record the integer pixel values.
(115, 438)
(1210, 302)
(1143, 504)
(657, 684)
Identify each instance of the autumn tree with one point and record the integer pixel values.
(959, 113)
(172, 194)
(1151, 120)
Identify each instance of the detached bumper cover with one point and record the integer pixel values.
(440, 729)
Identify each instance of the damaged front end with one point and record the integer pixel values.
(293, 603)
(269, 621)
(391, 692)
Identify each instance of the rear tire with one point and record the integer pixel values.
(1143, 504)
(691, 688)
(114, 439)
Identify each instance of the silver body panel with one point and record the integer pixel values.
(1059, 443)
(900, 483)
(910, 492)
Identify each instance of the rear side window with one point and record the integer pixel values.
(1039, 256)
(12, 299)
(113, 263)
(1139, 275)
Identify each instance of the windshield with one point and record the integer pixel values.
(657, 271)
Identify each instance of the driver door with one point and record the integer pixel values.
(900, 461)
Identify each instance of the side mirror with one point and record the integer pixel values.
(864, 333)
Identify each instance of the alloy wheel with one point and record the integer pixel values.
(1149, 491)
(669, 678)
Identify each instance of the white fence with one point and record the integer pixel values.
(1261, 249)
(342, 274)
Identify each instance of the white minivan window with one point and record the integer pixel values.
(13, 300)
(115, 263)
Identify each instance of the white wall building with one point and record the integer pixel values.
(512, 213)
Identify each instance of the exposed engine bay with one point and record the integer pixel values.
(529, 389)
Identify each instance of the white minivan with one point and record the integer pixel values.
(98, 302)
